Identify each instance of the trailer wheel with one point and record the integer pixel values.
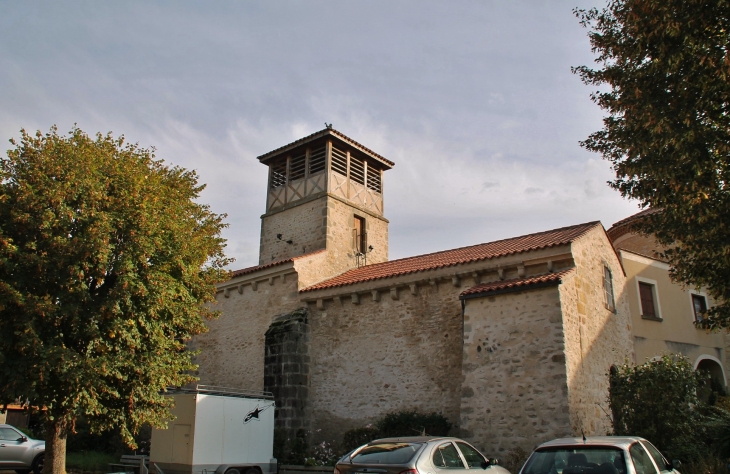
(233, 470)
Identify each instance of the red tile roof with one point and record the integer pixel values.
(447, 258)
(245, 271)
(321, 133)
(516, 284)
(624, 225)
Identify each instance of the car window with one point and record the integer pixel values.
(386, 453)
(642, 461)
(7, 434)
(658, 458)
(474, 460)
(447, 457)
(576, 460)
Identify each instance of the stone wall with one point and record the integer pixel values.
(514, 390)
(286, 368)
(384, 354)
(595, 337)
(340, 225)
(305, 224)
(232, 351)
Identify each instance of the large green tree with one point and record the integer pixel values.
(106, 263)
(664, 81)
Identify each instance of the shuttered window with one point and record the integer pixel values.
(374, 182)
(296, 167)
(699, 303)
(316, 160)
(608, 289)
(357, 170)
(648, 305)
(339, 161)
(278, 173)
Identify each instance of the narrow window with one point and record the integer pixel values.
(278, 173)
(296, 167)
(608, 289)
(357, 170)
(648, 306)
(374, 182)
(359, 235)
(339, 161)
(316, 160)
(699, 303)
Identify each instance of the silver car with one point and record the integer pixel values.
(20, 453)
(417, 455)
(598, 455)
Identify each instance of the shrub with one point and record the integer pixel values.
(658, 401)
(357, 437)
(412, 423)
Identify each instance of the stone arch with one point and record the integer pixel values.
(713, 366)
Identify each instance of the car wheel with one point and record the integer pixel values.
(38, 464)
(233, 471)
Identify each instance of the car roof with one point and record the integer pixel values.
(617, 441)
(409, 439)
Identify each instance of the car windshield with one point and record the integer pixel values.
(576, 460)
(386, 453)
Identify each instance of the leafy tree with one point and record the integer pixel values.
(658, 401)
(664, 81)
(106, 261)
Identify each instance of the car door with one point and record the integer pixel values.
(641, 459)
(12, 448)
(447, 458)
(474, 459)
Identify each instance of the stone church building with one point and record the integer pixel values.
(511, 340)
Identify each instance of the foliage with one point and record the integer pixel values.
(290, 449)
(323, 454)
(658, 401)
(356, 437)
(705, 465)
(111, 442)
(666, 65)
(90, 461)
(718, 430)
(412, 423)
(106, 261)
(515, 459)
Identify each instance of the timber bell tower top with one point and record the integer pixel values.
(326, 162)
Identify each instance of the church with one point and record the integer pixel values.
(511, 340)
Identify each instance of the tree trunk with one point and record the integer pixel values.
(55, 460)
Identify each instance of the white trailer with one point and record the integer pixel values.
(216, 430)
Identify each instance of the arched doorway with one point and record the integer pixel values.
(717, 384)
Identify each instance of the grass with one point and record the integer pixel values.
(90, 461)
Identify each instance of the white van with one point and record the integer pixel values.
(216, 430)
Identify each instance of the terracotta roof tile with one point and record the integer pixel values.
(322, 133)
(516, 283)
(245, 271)
(458, 256)
(624, 225)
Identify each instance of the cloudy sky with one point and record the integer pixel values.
(473, 100)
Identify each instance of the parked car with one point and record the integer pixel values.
(20, 453)
(416, 455)
(598, 455)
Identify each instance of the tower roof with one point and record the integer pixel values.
(327, 132)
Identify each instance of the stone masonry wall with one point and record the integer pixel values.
(595, 337)
(375, 357)
(514, 390)
(286, 368)
(304, 224)
(232, 351)
(340, 225)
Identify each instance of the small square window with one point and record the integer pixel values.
(699, 304)
(608, 289)
(647, 295)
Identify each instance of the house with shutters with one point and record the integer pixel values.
(511, 340)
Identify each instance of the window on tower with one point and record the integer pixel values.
(359, 236)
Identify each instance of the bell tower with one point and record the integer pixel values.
(325, 192)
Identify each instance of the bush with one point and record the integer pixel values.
(412, 423)
(658, 401)
(357, 437)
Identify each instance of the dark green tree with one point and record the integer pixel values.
(664, 81)
(658, 401)
(106, 263)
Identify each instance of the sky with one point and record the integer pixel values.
(474, 101)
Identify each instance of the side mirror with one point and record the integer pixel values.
(485, 464)
(494, 461)
(23, 439)
(676, 464)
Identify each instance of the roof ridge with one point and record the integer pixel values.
(592, 223)
(243, 271)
